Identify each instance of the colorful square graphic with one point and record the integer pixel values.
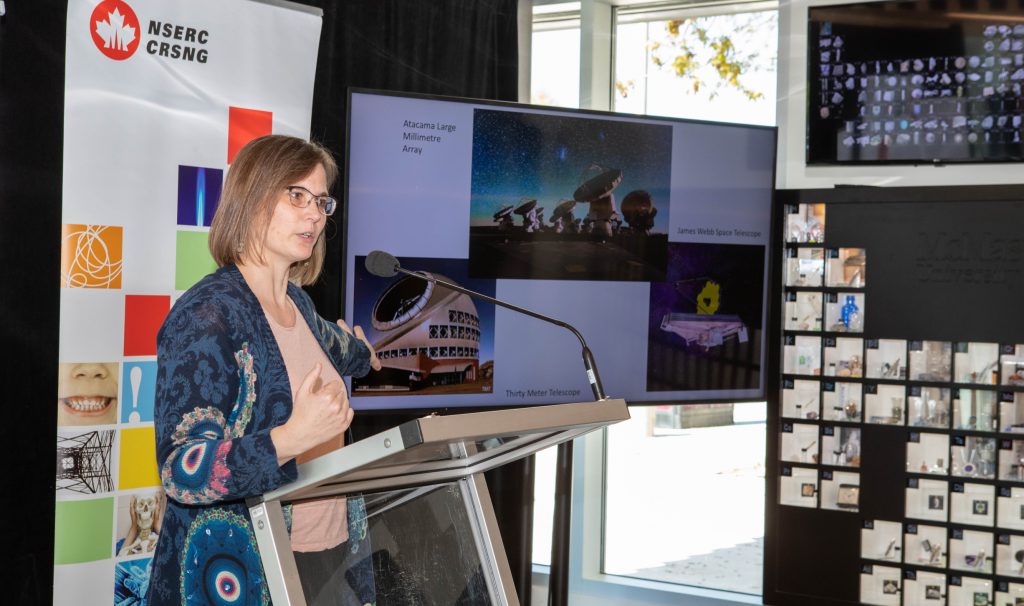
(244, 125)
(83, 462)
(82, 530)
(91, 256)
(131, 580)
(87, 393)
(143, 316)
(198, 194)
(138, 391)
(139, 519)
(137, 468)
(192, 258)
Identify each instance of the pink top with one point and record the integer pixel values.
(317, 524)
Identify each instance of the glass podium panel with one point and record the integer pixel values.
(433, 535)
(421, 551)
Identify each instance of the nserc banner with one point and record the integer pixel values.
(159, 96)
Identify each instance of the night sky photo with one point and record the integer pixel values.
(547, 157)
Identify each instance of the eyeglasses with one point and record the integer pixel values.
(300, 197)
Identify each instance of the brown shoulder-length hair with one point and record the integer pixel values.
(257, 177)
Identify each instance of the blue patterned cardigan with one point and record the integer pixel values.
(221, 387)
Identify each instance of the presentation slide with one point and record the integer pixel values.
(649, 235)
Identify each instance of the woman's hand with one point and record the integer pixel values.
(374, 361)
(319, 413)
(158, 511)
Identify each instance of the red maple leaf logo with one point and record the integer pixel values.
(115, 29)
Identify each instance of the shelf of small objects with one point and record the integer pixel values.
(815, 272)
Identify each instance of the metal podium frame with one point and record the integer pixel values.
(427, 451)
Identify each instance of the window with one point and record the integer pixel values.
(555, 55)
(651, 46)
(692, 476)
(701, 488)
(554, 80)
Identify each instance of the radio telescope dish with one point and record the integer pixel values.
(598, 186)
(637, 202)
(563, 210)
(526, 207)
(503, 212)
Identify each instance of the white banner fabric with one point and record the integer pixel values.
(159, 95)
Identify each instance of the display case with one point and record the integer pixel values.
(970, 591)
(840, 490)
(926, 499)
(879, 585)
(976, 363)
(798, 486)
(799, 443)
(884, 403)
(886, 358)
(970, 550)
(928, 406)
(972, 504)
(931, 361)
(805, 267)
(1009, 594)
(924, 545)
(924, 588)
(1011, 365)
(841, 401)
(845, 267)
(881, 540)
(899, 438)
(801, 399)
(1010, 555)
(803, 311)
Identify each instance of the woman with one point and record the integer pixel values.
(249, 379)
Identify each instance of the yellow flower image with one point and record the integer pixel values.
(90, 256)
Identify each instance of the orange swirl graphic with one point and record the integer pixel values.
(91, 256)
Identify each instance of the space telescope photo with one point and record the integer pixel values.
(430, 340)
(563, 198)
(705, 322)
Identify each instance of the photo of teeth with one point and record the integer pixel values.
(87, 393)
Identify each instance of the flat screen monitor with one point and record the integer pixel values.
(915, 82)
(649, 235)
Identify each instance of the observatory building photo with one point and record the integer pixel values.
(429, 339)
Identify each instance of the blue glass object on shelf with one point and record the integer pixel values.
(850, 313)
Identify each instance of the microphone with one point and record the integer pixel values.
(380, 263)
(385, 265)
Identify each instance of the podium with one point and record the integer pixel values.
(432, 527)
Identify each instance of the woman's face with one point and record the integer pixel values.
(87, 394)
(293, 232)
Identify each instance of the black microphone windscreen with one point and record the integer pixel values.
(380, 263)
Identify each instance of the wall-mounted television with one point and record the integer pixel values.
(915, 82)
(649, 235)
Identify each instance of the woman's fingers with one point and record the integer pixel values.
(374, 360)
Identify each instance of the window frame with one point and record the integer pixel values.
(597, 20)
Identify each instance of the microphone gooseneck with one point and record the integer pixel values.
(385, 265)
